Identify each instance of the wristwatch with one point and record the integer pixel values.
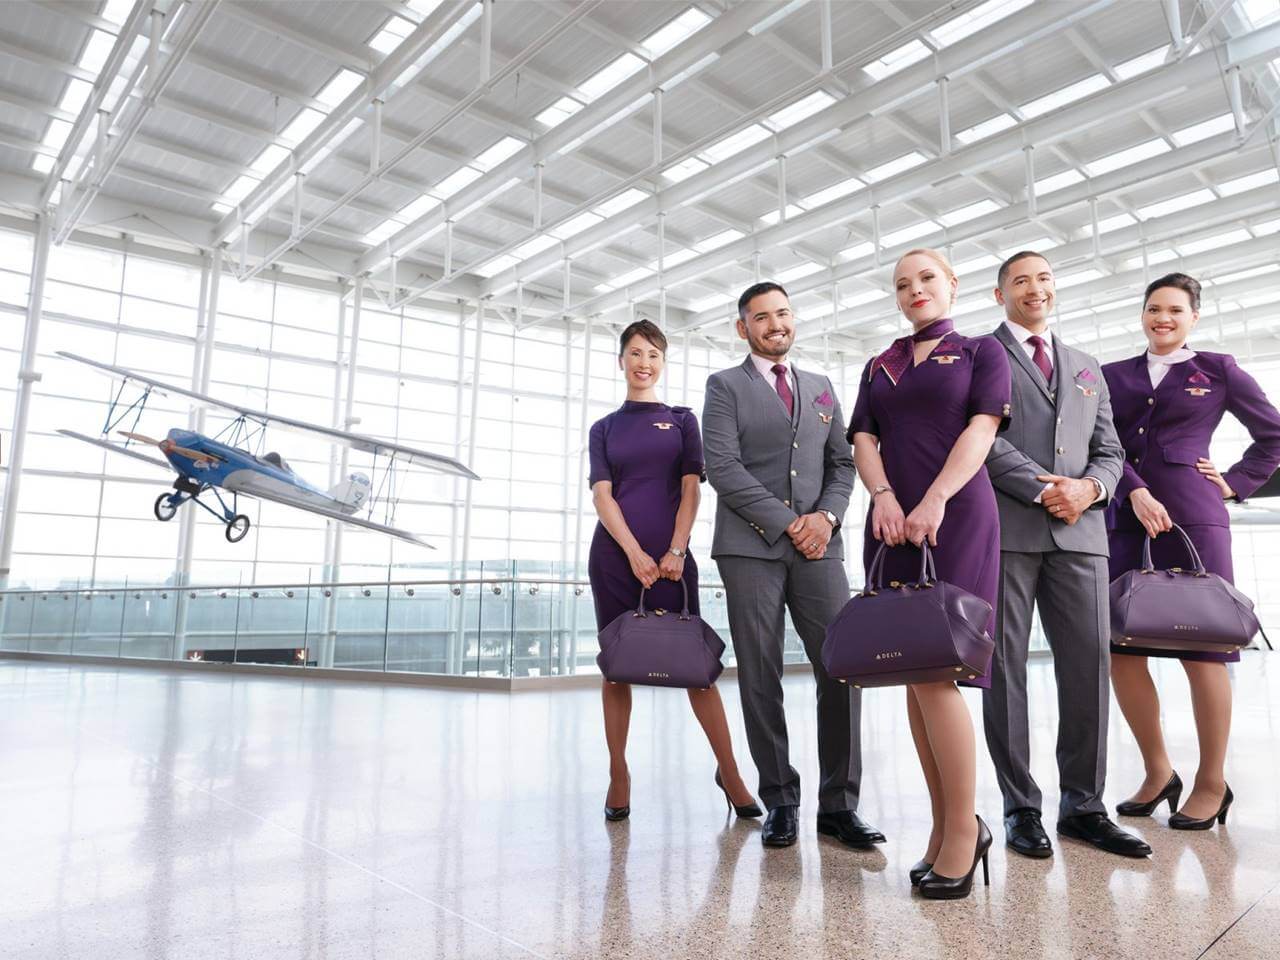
(831, 518)
(881, 488)
(676, 552)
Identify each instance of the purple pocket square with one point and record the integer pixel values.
(824, 399)
(1086, 376)
(1199, 379)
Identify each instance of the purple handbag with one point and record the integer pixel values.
(659, 648)
(1179, 609)
(921, 632)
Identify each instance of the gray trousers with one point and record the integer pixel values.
(758, 592)
(1071, 590)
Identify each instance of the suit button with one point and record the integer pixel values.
(1135, 459)
(1059, 421)
(1142, 430)
(1061, 450)
(793, 473)
(795, 446)
(1151, 401)
(786, 503)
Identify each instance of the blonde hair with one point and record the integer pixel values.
(938, 257)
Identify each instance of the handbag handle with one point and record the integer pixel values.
(928, 571)
(684, 612)
(1196, 563)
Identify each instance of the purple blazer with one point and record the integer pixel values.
(1164, 431)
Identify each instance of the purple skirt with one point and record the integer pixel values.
(1167, 550)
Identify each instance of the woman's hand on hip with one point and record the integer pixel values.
(925, 520)
(1150, 512)
(643, 568)
(888, 523)
(671, 567)
(1210, 472)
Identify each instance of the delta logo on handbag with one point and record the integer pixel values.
(824, 403)
(1199, 385)
(1087, 383)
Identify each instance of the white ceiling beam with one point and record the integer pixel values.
(307, 41)
(1161, 83)
(873, 100)
(725, 31)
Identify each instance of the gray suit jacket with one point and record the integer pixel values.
(1063, 428)
(768, 468)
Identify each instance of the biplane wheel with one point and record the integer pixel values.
(165, 508)
(237, 528)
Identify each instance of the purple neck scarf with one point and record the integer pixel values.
(898, 357)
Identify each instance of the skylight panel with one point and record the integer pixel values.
(74, 97)
(1252, 181)
(497, 265)
(857, 251)
(416, 208)
(239, 189)
(55, 135)
(984, 262)
(1124, 158)
(1162, 255)
(607, 78)
(924, 228)
(801, 109)
(390, 35)
(1069, 94)
(893, 167)
(1244, 274)
(1262, 229)
(630, 277)
(96, 51)
(1174, 204)
(715, 241)
(708, 303)
(117, 11)
(969, 212)
(684, 169)
(1059, 180)
(381, 233)
(558, 112)
(675, 32)
(957, 28)
(270, 158)
(798, 271)
(861, 299)
(575, 225)
(1142, 63)
(504, 149)
(1202, 131)
(535, 246)
(303, 125)
(422, 7)
(1261, 12)
(344, 82)
(1074, 279)
(895, 60)
(833, 192)
(628, 198)
(42, 163)
(980, 131)
(1190, 247)
(673, 258)
(735, 143)
(770, 218)
(451, 184)
(1108, 224)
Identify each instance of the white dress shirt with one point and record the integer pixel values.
(765, 366)
(1158, 365)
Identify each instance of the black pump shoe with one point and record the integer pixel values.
(619, 813)
(746, 810)
(934, 886)
(917, 873)
(1172, 791)
(1182, 822)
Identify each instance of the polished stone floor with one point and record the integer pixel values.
(148, 814)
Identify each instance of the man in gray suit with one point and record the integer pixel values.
(1054, 470)
(778, 459)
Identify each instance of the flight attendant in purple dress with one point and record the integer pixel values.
(1168, 402)
(646, 464)
(927, 412)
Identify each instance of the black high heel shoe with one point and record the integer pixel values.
(746, 810)
(935, 886)
(1172, 792)
(917, 873)
(619, 813)
(1182, 822)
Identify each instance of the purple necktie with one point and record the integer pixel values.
(784, 388)
(1041, 358)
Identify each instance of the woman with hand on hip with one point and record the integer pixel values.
(927, 413)
(1168, 401)
(646, 464)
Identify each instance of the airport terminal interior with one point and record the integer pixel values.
(307, 309)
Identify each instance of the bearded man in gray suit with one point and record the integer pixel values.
(782, 469)
(1054, 470)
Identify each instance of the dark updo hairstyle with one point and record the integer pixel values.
(1179, 281)
(643, 328)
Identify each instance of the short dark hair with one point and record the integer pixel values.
(1179, 281)
(1003, 272)
(646, 329)
(755, 290)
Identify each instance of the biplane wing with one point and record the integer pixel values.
(356, 441)
(344, 517)
(118, 448)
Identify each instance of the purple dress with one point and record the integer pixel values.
(918, 422)
(645, 450)
(1164, 432)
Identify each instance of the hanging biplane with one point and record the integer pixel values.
(225, 462)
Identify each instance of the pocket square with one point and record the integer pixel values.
(824, 399)
(1199, 379)
(1086, 376)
